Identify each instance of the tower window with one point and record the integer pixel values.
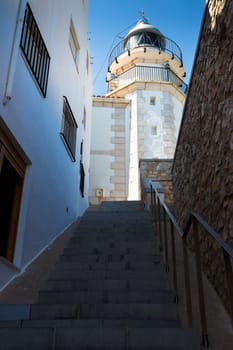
(84, 118)
(87, 61)
(69, 129)
(154, 130)
(74, 44)
(82, 179)
(82, 172)
(34, 50)
(152, 100)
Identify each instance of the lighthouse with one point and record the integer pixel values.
(139, 117)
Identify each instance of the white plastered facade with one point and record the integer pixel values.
(51, 198)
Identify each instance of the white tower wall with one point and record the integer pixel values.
(146, 69)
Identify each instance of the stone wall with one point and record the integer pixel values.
(203, 164)
(159, 169)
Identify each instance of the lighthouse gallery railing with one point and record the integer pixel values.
(170, 47)
(150, 74)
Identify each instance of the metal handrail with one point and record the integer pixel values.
(162, 215)
(169, 47)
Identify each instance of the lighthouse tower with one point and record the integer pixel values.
(144, 102)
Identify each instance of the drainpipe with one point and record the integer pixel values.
(13, 54)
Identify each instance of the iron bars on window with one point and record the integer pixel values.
(35, 51)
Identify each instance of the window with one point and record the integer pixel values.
(152, 100)
(87, 61)
(84, 118)
(69, 129)
(35, 51)
(81, 150)
(82, 172)
(82, 178)
(74, 44)
(154, 130)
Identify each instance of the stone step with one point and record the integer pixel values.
(117, 229)
(126, 225)
(108, 220)
(111, 244)
(27, 338)
(109, 311)
(99, 338)
(110, 239)
(105, 296)
(96, 323)
(107, 215)
(94, 285)
(102, 234)
(113, 266)
(131, 258)
(114, 218)
(163, 339)
(107, 250)
(157, 274)
(131, 205)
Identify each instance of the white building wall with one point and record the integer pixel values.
(158, 124)
(51, 199)
(101, 153)
(164, 116)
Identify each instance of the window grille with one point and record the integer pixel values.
(82, 178)
(35, 51)
(69, 129)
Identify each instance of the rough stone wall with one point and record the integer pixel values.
(159, 169)
(203, 164)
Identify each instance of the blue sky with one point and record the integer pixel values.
(179, 20)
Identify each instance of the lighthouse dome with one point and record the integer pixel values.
(144, 34)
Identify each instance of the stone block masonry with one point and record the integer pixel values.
(203, 165)
(159, 169)
(118, 179)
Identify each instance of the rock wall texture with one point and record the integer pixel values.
(159, 169)
(203, 164)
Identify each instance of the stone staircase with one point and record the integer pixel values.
(109, 290)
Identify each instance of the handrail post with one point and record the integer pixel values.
(154, 207)
(175, 287)
(151, 198)
(201, 296)
(165, 240)
(187, 285)
(229, 280)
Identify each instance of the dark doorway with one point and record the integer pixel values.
(10, 195)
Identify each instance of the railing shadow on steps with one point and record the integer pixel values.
(167, 227)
